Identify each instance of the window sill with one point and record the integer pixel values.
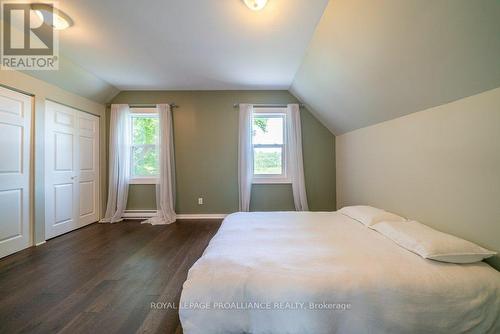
(144, 180)
(271, 180)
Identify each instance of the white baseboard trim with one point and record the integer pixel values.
(145, 214)
(201, 216)
(40, 243)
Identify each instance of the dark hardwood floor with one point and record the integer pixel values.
(101, 279)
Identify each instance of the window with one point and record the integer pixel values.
(144, 167)
(269, 146)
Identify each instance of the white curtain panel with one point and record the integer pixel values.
(296, 168)
(165, 189)
(119, 163)
(245, 156)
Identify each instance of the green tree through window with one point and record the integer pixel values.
(144, 145)
(267, 134)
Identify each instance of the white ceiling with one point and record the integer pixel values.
(190, 44)
(353, 62)
(372, 61)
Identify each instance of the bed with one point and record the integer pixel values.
(322, 272)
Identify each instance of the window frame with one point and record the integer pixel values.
(135, 113)
(272, 178)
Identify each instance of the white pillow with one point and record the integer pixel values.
(369, 215)
(431, 244)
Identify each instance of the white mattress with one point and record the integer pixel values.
(270, 272)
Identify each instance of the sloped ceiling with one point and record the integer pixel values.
(190, 44)
(355, 63)
(372, 61)
(77, 80)
(73, 78)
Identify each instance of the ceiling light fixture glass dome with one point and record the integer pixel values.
(59, 19)
(255, 4)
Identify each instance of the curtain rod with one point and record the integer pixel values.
(301, 105)
(146, 105)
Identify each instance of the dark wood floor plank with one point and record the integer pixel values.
(101, 278)
(161, 321)
(74, 268)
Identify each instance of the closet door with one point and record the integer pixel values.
(88, 168)
(15, 136)
(71, 169)
(61, 169)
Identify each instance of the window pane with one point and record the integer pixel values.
(267, 160)
(145, 161)
(145, 130)
(268, 130)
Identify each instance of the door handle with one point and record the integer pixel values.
(73, 177)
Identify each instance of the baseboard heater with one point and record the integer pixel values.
(145, 214)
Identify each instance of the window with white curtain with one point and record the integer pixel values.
(144, 163)
(269, 140)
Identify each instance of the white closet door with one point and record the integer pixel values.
(15, 134)
(89, 168)
(61, 169)
(71, 169)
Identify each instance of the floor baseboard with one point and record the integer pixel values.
(201, 216)
(145, 214)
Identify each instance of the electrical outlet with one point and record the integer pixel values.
(200, 201)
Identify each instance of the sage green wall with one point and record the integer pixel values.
(206, 153)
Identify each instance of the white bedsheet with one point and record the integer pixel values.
(284, 261)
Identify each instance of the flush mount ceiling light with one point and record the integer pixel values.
(47, 13)
(255, 4)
